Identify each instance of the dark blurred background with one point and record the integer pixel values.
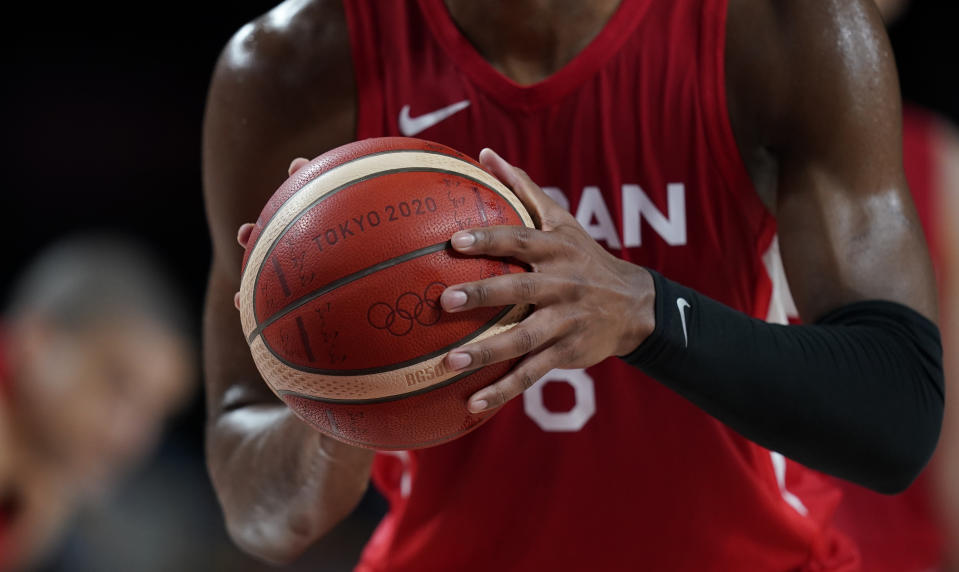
(102, 115)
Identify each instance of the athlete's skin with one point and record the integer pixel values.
(814, 102)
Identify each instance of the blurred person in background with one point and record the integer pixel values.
(918, 530)
(94, 356)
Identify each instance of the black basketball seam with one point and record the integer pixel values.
(299, 215)
(259, 328)
(393, 366)
(391, 151)
(397, 397)
(336, 190)
(329, 287)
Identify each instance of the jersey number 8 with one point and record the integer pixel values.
(563, 421)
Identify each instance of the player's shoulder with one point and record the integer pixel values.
(282, 88)
(790, 36)
(296, 45)
(802, 31)
(799, 14)
(283, 84)
(789, 55)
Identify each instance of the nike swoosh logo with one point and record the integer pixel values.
(410, 126)
(682, 304)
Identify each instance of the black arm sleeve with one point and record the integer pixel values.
(858, 395)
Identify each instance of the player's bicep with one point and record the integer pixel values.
(848, 229)
(240, 165)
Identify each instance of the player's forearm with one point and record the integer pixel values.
(858, 395)
(281, 484)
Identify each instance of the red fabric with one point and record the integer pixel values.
(632, 477)
(898, 533)
(902, 533)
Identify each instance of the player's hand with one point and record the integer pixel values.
(589, 305)
(246, 229)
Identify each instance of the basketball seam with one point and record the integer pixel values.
(259, 328)
(335, 190)
(314, 190)
(330, 286)
(345, 163)
(390, 367)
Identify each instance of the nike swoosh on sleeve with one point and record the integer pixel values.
(682, 304)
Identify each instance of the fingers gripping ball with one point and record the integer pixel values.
(339, 298)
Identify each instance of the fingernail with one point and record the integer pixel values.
(294, 167)
(451, 299)
(478, 406)
(244, 233)
(458, 360)
(463, 240)
(236, 300)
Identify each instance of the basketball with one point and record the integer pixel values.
(340, 289)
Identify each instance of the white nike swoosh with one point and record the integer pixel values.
(410, 126)
(681, 303)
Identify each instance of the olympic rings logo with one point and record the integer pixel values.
(409, 309)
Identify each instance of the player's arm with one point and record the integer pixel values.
(820, 83)
(280, 483)
(814, 97)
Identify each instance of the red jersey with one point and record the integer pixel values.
(603, 468)
(902, 533)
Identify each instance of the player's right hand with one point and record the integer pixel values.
(246, 229)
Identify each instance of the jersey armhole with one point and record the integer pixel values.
(366, 67)
(721, 141)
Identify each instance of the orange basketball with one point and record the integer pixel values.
(340, 291)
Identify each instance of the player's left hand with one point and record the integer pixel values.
(589, 305)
